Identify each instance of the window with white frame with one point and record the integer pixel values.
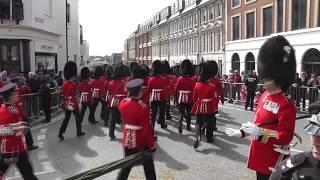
(211, 42)
(190, 46)
(190, 21)
(204, 15)
(218, 40)
(280, 15)
(195, 21)
(318, 13)
(195, 44)
(235, 3)
(250, 25)
(298, 14)
(218, 10)
(236, 28)
(267, 21)
(211, 11)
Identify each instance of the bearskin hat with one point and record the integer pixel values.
(146, 70)
(109, 71)
(98, 72)
(85, 73)
(277, 62)
(70, 70)
(187, 67)
(214, 67)
(165, 67)
(205, 72)
(156, 68)
(138, 72)
(132, 66)
(118, 72)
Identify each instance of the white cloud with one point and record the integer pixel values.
(108, 23)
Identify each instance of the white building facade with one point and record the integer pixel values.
(36, 40)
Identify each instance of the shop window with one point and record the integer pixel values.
(5, 9)
(299, 13)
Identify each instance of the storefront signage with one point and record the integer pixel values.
(40, 20)
(46, 47)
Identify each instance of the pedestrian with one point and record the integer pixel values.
(166, 73)
(137, 132)
(13, 144)
(69, 91)
(305, 165)
(219, 90)
(157, 87)
(86, 95)
(98, 95)
(275, 117)
(205, 97)
(184, 92)
(296, 90)
(45, 97)
(117, 94)
(251, 83)
(60, 79)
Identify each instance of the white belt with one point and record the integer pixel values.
(132, 127)
(204, 105)
(155, 96)
(84, 97)
(183, 96)
(95, 93)
(115, 100)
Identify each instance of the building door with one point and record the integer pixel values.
(311, 61)
(250, 63)
(235, 60)
(10, 56)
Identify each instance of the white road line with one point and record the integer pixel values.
(37, 174)
(42, 155)
(52, 121)
(47, 167)
(43, 131)
(41, 144)
(41, 137)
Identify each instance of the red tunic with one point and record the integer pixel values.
(117, 92)
(137, 132)
(106, 86)
(11, 144)
(145, 96)
(184, 89)
(98, 90)
(205, 97)
(85, 92)
(217, 83)
(270, 108)
(69, 91)
(157, 88)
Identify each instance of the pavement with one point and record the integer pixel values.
(175, 158)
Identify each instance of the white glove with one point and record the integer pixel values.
(233, 132)
(252, 129)
(279, 149)
(70, 108)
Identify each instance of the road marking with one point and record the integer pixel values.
(18, 176)
(43, 131)
(41, 144)
(47, 167)
(42, 155)
(56, 119)
(233, 108)
(41, 137)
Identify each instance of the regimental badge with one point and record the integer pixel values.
(271, 106)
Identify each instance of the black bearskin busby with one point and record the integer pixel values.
(277, 62)
(138, 72)
(214, 67)
(205, 72)
(187, 68)
(165, 68)
(118, 72)
(70, 70)
(98, 72)
(109, 71)
(132, 66)
(85, 73)
(156, 68)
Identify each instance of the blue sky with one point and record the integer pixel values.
(108, 23)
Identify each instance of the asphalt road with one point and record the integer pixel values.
(175, 157)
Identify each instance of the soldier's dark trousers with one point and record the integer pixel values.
(185, 109)
(262, 176)
(148, 166)
(84, 107)
(168, 113)
(47, 110)
(66, 119)
(115, 117)
(209, 120)
(250, 100)
(28, 136)
(23, 165)
(161, 106)
(104, 114)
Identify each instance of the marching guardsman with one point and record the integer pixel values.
(13, 147)
(85, 90)
(69, 91)
(109, 71)
(141, 72)
(184, 92)
(304, 165)
(219, 89)
(98, 93)
(22, 90)
(170, 88)
(205, 97)
(117, 93)
(137, 132)
(275, 117)
(157, 87)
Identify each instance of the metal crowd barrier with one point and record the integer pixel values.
(33, 103)
(302, 96)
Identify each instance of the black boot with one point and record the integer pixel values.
(60, 136)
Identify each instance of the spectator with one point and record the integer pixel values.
(237, 77)
(33, 82)
(304, 79)
(60, 79)
(5, 78)
(243, 76)
(295, 90)
(313, 81)
(313, 92)
(45, 97)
